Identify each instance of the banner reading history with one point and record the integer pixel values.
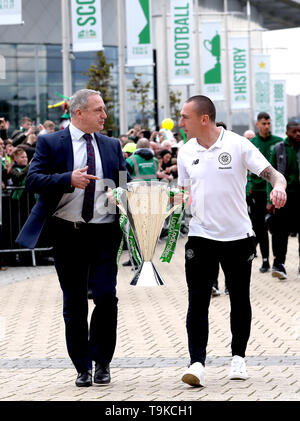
(138, 29)
(211, 60)
(261, 67)
(86, 25)
(11, 12)
(279, 108)
(240, 98)
(182, 39)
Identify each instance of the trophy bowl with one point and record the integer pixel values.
(146, 206)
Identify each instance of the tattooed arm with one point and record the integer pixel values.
(278, 182)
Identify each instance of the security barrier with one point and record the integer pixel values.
(16, 205)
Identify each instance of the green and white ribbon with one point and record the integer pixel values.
(173, 233)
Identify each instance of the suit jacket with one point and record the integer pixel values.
(50, 173)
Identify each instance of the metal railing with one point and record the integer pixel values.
(13, 213)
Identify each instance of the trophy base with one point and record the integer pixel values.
(147, 276)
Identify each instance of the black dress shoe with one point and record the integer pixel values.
(102, 374)
(84, 379)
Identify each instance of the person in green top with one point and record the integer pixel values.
(256, 188)
(285, 158)
(142, 164)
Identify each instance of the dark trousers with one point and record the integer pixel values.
(87, 255)
(286, 220)
(258, 211)
(202, 259)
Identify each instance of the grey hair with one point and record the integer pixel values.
(80, 98)
(143, 143)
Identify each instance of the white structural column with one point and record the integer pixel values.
(197, 65)
(37, 85)
(228, 85)
(67, 72)
(123, 120)
(165, 63)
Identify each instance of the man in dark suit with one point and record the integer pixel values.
(71, 171)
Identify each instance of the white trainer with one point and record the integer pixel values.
(238, 369)
(194, 375)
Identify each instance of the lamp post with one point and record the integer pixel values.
(165, 64)
(228, 85)
(67, 75)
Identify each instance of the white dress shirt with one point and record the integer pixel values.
(70, 205)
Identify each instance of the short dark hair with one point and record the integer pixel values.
(24, 119)
(204, 105)
(262, 115)
(292, 123)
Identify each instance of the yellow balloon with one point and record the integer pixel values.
(167, 123)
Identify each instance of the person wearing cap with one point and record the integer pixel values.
(256, 188)
(285, 157)
(128, 149)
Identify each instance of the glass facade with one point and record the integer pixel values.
(35, 71)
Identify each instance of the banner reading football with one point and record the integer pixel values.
(10, 12)
(181, 36)
(87, 25)
(240, 73)
(262, 84)
(211, 60)
(279, 108)
(138, 28)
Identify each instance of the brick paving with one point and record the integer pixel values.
(151, 351)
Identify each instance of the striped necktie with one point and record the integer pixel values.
(89, 193)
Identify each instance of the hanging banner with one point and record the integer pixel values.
(138, 28)
(211, 60)
(261, 67)
(279, 108)
(11, 12)
(86, 25)
(240, 98)
(2, 67)
(181, 36)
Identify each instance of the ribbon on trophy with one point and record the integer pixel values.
(127, 232)
(173, 230)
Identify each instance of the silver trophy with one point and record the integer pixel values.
(146, 206)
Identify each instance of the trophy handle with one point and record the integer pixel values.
(176, 206)
(121, 209)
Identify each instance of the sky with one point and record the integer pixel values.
(283, 47)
